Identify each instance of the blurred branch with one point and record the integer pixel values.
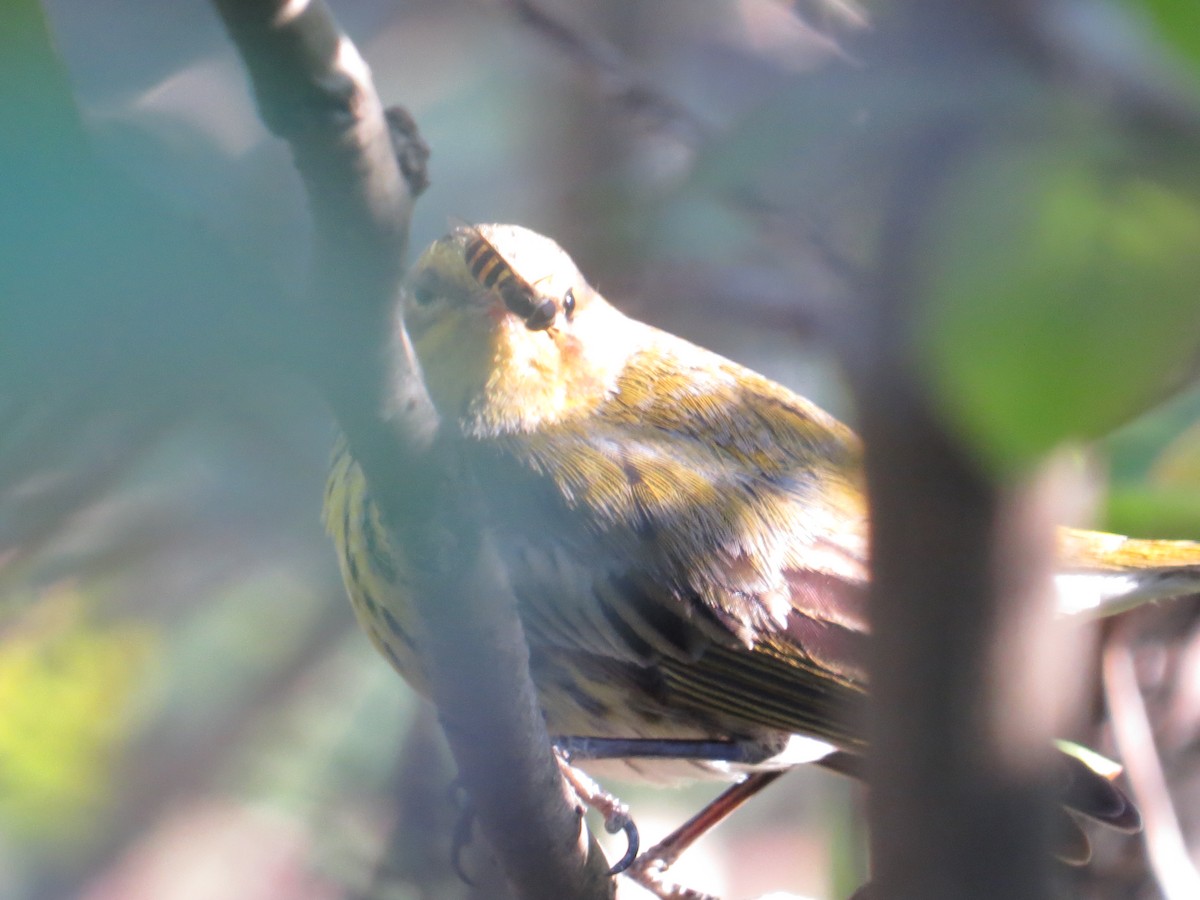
(611, 74)
(33, 516)
(1133, 85)
(315, 91)
(1168, 852)
(957, 803)
(959, 596)
(420, 850)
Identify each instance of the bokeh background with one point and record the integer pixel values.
(187, 709)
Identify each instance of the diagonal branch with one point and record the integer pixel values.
(315, 91)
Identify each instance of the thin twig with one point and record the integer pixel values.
(1167, 850)
(612, 74)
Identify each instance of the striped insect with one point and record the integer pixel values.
(493, 272)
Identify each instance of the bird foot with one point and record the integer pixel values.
(615, 813)
(649, 872)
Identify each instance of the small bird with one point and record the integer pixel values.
(686, 539)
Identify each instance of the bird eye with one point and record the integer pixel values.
(569, 303)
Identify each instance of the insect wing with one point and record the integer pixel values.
(492, 271)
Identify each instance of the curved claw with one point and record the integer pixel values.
(626, 824)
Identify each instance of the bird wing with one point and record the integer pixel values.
(703, 519)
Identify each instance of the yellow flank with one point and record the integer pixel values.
(687, 540)
(371, 569)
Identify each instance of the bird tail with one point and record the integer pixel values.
(1103, 574)
(1088, 790)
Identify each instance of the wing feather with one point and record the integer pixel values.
(702, 519)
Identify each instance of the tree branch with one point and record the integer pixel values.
(315, 91)
(959, 598)
(611, 75)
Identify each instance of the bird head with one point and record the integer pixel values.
(509, 334)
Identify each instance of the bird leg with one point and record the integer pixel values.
(650, 867)
(615, 813)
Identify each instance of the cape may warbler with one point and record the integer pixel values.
(686, 539)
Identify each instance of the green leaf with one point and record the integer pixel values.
(1061, 296)
(1177, 22)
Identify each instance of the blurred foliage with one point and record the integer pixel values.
(1177, 22)
(1154, 463)
(176, 654)
(1062, 294)
(68, 686)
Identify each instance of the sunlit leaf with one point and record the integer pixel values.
(66, 691)
(1062, 296)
